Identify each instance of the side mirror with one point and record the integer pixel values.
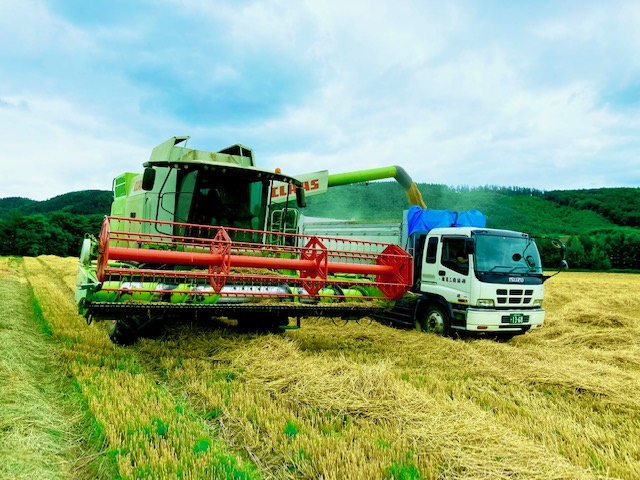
(148, 178)
(301, 198)
(559, 245)
(564, 265)
(469, 246)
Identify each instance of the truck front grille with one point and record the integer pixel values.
(514, 296)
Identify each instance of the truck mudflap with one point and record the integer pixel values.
(494, 320)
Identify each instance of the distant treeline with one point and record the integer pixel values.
(616, 250)
(600, 227)
(602, 251)
(57, 233)
(52, 227)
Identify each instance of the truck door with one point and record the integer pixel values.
(453, 270)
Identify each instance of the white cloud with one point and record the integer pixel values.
(56, 147)
(30, 29)
(455, 92)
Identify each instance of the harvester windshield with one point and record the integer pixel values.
(204, 198)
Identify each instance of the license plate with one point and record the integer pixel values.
(516, 318)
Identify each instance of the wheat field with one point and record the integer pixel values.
(355, 401)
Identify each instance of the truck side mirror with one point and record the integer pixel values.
(564, 265)
(148, 178)
(301, 198)
(559, 245)
(469, 246)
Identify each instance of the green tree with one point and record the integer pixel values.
(576, 254)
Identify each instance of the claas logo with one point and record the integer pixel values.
(282, 190)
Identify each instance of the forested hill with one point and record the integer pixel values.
(512, 208)
(85, 202)
(55, 226)
(601, 226)
(619, 205)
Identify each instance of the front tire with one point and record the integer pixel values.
(505, 337)
(121, 332)
(433, 320)
(127, 330)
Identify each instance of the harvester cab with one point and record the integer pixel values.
(182, 186)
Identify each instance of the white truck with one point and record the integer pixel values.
(466, 279)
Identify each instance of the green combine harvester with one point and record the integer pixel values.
(203, 234)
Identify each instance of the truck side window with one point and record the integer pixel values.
(432, 249)
(453, 255)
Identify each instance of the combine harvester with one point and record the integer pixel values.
(198, 235)
(204, 234)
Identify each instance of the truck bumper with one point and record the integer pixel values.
(492, 320)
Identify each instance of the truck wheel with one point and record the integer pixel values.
(505, 337)
(433, 320)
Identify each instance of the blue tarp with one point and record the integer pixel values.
(420, 219)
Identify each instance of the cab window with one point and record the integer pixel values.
(432, 249)
(453, 256)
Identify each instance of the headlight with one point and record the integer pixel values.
(537, 302)
(485, 302)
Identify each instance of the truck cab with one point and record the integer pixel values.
(466, 278)
(477, 279)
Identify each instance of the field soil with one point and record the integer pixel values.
(328, 401)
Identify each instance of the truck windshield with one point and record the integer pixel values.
(497, 253)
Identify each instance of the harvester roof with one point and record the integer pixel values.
(234, 161)
(229, 169)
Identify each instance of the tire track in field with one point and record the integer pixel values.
(146, 430)
(58, 273)
(40, 423)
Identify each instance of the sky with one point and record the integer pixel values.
(540, 94)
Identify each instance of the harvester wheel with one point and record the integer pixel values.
(125, 331)
(276, 321)
(116, 330)
(433, 320)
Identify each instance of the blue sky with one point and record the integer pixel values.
(530, 93)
